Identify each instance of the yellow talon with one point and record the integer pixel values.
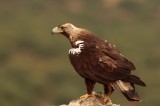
(86, 96)
(106, 98)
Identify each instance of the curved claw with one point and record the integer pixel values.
(106, 98)
(86, 96)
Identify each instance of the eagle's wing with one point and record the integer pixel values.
(109, 50)
(107, 61)
(104, 48)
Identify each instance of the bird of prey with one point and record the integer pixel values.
(99, 61)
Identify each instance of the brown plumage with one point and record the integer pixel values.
(99, 61)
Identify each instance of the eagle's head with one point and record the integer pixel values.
(69, 30)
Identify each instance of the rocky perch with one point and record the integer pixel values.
(96, 100)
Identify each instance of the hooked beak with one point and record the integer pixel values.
(56, 30)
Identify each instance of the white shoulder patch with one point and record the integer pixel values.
(77, 51)
(78, 42)
(74, 51)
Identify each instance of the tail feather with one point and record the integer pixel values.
(128, 90)
(136, 80)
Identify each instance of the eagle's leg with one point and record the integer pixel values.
(90, 85)
(108, 89)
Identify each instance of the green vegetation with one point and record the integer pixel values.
(34, 66)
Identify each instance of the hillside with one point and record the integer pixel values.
(34, 66)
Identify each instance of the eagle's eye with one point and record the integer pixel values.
(63, 27)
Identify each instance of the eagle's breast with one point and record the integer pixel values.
(79, 59)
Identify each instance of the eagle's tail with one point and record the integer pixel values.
(136, 80)
(128, 90)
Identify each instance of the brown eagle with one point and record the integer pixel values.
(99, 61)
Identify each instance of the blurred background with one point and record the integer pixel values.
(34, 66)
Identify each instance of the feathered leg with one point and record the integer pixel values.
(108, 89)
(90, 85)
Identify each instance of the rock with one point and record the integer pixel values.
(96, 100)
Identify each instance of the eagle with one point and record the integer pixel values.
(98, 61)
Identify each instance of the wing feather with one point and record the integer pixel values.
(100, 61)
